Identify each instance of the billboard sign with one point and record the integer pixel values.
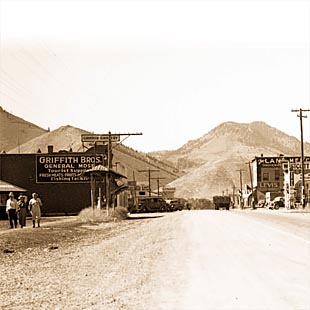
(61, 168)
(294, 161)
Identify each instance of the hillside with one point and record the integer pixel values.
(63, 138)
(15, 131)
(129, 162)
(213, 162)
(207, 166)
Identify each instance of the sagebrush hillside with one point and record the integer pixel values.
(63, 138)
(127, 161)
(202, 168)
(15, 131)
(213, 162)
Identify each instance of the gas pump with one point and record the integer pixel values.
(286, 184)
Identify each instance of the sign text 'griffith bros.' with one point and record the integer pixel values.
(65, 168)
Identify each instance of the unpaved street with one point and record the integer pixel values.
(236, 261)
(183, 260)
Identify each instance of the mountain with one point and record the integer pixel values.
(213, 162)
(63, 138)
(15, 131)
(133, 164)
(201, 168)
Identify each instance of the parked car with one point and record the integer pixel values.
(276, 203)
(150, 204)
(176, 204)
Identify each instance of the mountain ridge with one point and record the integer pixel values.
(201, 168)
(15, 131)
(68, 139)
(213, 162)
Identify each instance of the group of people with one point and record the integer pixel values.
(17, 209)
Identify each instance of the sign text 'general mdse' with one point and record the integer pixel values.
(65, 168)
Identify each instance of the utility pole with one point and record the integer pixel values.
(158, 178)
(108, 176)
(241, 196)
(301, 116)
(112, 138)
(250, 171)
(116, 164)
(106, 139)
(234, 189)
(149, 177)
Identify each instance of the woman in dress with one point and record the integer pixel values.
(22, 210)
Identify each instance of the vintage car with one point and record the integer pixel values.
(175, 204)
(149, 204)
(276, 203)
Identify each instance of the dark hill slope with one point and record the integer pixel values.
(15, 131)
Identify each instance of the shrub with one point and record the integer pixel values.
(96, 216)
(120, 213)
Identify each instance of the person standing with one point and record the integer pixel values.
(22, 210)
(35, 205)
(11, 210)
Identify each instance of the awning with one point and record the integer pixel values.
(102, 170)
(8, 187)
(120, 189)
(258, 195)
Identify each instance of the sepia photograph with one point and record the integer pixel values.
(155, 154)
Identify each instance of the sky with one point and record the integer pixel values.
(172, 70)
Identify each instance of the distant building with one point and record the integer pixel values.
(281, 176)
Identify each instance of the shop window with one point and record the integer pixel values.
(277, 175)
(265, 176)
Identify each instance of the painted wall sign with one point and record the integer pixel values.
(64, 168)
(277, 161)
(269, 185)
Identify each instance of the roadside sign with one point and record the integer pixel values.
(100, 138)
(65, 168)
(132, 185)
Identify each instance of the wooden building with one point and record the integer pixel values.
(57, 177)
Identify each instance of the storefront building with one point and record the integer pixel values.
(56, 177)
(281, 176)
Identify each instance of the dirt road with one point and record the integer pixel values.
(183, 260)
(239, 261)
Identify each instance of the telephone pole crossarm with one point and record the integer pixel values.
(127, 136)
